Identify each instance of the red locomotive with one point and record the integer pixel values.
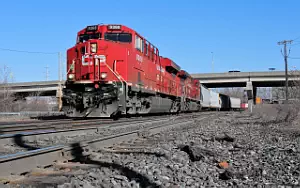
(113, 70)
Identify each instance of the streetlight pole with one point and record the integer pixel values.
(212, 61)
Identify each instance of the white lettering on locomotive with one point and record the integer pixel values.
(139, 58)
(83, 60)
(102, 58)
(159, 68)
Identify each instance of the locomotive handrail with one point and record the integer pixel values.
(70, 67)
(118, 76)
(116, 73)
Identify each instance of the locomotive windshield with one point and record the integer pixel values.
(118, 37)
(86, 37)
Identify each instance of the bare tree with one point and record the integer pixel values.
(263, 92)
(288, 113)
(278, 93)
(233, 92)
(36, 103)
(6, 96)
(294, 92)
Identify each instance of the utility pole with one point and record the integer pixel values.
(286, 66)
(59, 83)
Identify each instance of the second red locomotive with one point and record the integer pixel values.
(113, 70)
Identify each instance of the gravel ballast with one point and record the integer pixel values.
(229, 150)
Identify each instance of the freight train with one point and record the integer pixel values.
(211, 100)
(113, 70)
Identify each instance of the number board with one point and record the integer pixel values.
(92, 28)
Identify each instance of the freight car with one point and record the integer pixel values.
(210, 100)
(235, 103)
(216, 101)
(113, 70)
(230, 103)
(204, 97)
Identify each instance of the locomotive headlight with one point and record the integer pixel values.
(71, 76)
(103, 75)
(94, 47)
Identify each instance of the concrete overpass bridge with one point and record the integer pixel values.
(248, 80)
(240, 79)
(41, 88)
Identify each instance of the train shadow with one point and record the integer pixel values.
(156, 154)
(54, 117)
(77, 153)
(19, 141)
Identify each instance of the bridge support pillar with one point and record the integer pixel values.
(249, 90)
(59, 96)
(254, 95)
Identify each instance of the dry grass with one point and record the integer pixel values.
(286, 113)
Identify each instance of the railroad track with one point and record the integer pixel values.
(45, 125)
(62, 134)
(12, 143)
(25, 161)
(40, 125)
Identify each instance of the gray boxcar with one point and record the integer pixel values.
(235, 103)
(215, 101)
(205, 97)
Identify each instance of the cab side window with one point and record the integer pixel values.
(139, 43)
(151, 52)
(146, 48)
(156, 54)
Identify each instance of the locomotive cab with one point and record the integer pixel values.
(91, 52)
(94, 85)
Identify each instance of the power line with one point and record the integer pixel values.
(24, 51)
(295, 44)
(296, 38)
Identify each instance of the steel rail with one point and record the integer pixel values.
(93, 132)
(16, 124)
(25, 161)
(59, 125)
(81, 127)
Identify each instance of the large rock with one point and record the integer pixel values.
(196, 153)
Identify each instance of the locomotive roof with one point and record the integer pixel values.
(184, 74)
(169, 63)
(124, 27)
(113, 27)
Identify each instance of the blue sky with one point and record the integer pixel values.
(242, 34)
